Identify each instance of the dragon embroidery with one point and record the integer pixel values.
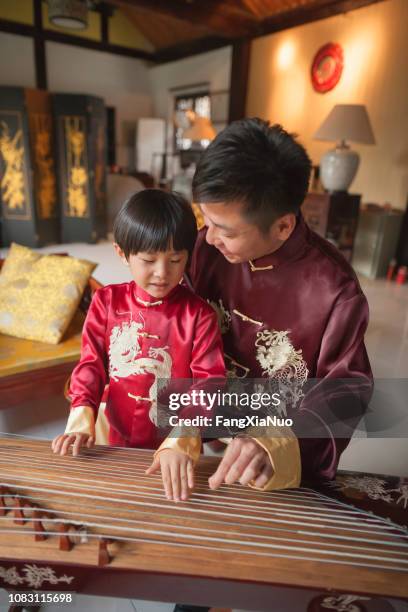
(125, 360)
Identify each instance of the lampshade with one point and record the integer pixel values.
(202, 129)
(347, 122)
(72, 14)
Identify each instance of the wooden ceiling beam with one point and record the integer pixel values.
(194, 47)
(219, 17)
(21, 29)
(161, 30)
(255, 7)
(241, 52)
(314, 11)
(321, 9)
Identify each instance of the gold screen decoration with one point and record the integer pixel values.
(13, 177)
(77, 203)
(45, 181)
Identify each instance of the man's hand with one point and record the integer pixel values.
(62, 443)
(177, 473)
(244, 461)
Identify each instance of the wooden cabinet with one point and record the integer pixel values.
(333, 216)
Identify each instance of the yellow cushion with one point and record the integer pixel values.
(18, 356)
(39, 294)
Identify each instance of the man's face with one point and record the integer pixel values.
(238, 239)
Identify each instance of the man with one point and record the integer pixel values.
(290, 307)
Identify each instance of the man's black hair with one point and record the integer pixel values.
(259, 165)
(155, 220)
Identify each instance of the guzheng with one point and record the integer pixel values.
(97, 524)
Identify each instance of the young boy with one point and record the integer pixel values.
(139, 332)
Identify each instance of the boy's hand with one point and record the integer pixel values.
(61, 444)
(177, 472)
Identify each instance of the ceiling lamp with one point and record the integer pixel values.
(71, 14)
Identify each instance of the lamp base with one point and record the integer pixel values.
(338, 167)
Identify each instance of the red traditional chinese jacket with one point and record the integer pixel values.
(130, 341)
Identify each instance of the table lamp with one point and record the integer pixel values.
(339, 166)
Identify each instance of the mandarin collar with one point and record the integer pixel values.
(145, 299)
(293, 248)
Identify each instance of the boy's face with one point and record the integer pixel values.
(156, 273)
(238, 239)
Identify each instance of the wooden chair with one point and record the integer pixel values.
(36, 370)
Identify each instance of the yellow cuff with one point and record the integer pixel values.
(81, 420)
(184, 440)
(282, 447)
(102, 426)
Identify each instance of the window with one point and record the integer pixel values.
(200, 103)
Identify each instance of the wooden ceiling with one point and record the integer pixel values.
(177, 28)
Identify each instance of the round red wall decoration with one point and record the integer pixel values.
(327, 67)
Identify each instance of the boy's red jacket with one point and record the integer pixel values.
(130, 341)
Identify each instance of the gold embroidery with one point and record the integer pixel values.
(143, 334)
(246, 318)
(76, 166)
(125, 360)
(276, 353)
(223, 316)
(12, 183)
(139, 398)
(161, 370)
(144, 303)
(280, 360)
(255, 268)
(232, 373)
(124, 347)
(146, 335)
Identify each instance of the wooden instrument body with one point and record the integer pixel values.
(233, 547)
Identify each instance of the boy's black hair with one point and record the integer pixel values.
(155, 220)
(259, 165)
